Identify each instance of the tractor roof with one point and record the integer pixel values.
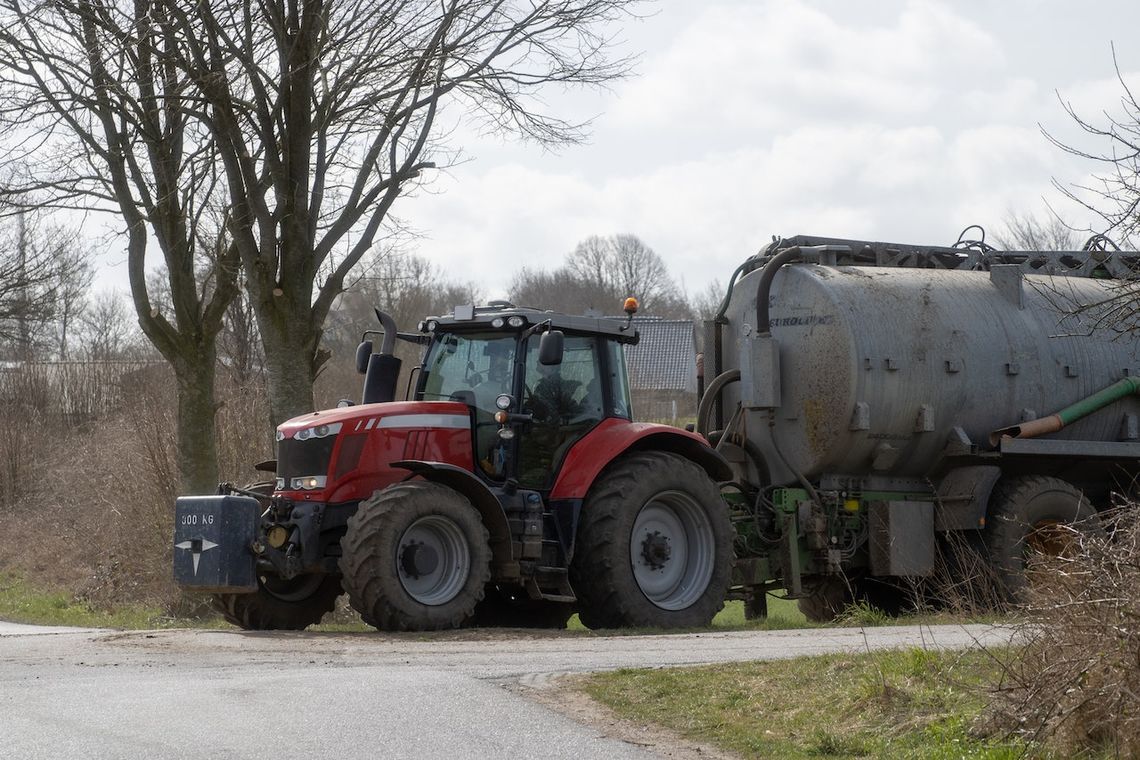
(469, 317)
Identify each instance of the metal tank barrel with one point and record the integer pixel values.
(873, 370)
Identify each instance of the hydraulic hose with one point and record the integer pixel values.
(712, 392)
(764, 287)
(1122, 388)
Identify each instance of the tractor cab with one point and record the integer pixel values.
(536, 382)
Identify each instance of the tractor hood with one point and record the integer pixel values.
(364, 417)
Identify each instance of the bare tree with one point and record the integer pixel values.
(562, 290)
(239, 343)
(621, 266)
(98, 115)
(591, 263)
(406, 286)
(71, 296)
(1025, 232)
(107, 329)
(1113, 193)
(41, 266)
(299, 122)
(707, 302)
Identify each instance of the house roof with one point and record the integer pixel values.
(665, 357)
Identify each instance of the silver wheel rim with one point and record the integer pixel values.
(672, 550)
(433, 560)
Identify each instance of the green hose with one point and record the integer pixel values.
(1086, 406)
(1126, 386)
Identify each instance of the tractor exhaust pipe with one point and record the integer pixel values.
(381, 370)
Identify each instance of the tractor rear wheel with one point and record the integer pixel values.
(513, 609)
(281, 605)
(1034, 513)
(416, 557)
(654, 546)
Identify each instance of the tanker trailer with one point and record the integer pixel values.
(883, 403)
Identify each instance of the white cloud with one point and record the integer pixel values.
(761, 118)
(758, 65)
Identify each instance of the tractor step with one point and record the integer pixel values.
(556, 580)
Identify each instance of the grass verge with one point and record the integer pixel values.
(907, 704)
(22, 603)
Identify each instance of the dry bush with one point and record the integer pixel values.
(244, 435)
(1075, 686)
(97, 517)
(43, 403)
(28, 437)
(963, 583)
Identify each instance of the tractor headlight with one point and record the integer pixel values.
(503, 401)
(516, 321)
(497, 322)
(317, 431)
(308, 482)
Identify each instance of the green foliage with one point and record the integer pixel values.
(863, 614)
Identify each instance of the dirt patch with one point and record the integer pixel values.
(563, 694)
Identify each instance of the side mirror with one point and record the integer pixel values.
(550, 348)
(363, 351)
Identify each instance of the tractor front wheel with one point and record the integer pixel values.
(281, 605)
(654, 546)
(416, 557)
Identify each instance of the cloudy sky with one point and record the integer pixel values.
(900, 120)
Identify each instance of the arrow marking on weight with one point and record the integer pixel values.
(196, 547)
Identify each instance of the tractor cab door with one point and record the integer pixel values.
(565, 400)
(473, 368)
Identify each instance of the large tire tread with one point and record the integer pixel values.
(368, 564)
(261, 611)
(1018, 504)
(601, 573)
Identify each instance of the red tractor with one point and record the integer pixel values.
(513, 488)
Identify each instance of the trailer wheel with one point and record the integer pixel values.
(507, 609)
(281, 605)
(1033, 513)
(416, 557)
(654, 546)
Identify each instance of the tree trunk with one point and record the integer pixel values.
(290, 367)
(197, 410)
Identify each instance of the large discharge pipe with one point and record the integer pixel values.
(1122, 388)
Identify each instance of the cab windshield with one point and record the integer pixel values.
(473, 368)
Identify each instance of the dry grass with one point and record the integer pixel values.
(1075, 686)
(91, 508)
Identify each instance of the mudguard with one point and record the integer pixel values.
(481, 497)
(614, 437)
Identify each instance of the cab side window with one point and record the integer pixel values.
(565, 400)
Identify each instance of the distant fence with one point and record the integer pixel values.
(75, 391)
(671, 407)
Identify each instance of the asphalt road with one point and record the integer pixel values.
(468, 694)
